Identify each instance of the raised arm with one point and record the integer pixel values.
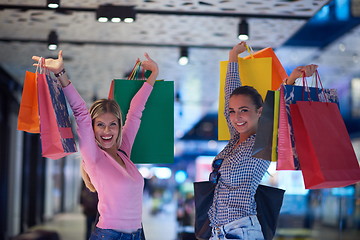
(87, 143)
(137, 105)
(308, 70)
(232, 80)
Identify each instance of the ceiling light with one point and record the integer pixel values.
(53, 3)
(114, 13)
(103, 19)
(116, 19)
(184, 56)
(53, 41)
(129, 20)
(243, 30)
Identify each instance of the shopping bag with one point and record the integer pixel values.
(290, 94)
(56, 136)
(203, 196)
(268, 204)
(261, 69)
(277, 71)
(28, 118)
(275, 126)
(154, 142)
(326, 154)
(285, 153)
(263, 146)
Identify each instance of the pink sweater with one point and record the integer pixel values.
(119, 189)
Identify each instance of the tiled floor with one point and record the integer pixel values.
(71, 226)
(163, 226)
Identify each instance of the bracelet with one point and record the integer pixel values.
(287, 83)
(62, 72)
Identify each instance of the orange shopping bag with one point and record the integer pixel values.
(278, 73)
(28, 118)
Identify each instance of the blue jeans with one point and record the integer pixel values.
(246, 228)
(109, 234)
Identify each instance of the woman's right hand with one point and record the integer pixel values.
(236, 50)
(54, 65)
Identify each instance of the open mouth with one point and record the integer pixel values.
(107, 138)
(240, 123)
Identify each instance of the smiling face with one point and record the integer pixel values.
(106, 129)
(244, 115)
(106, 118)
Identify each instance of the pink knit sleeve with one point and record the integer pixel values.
(87, 144)
(133, 117)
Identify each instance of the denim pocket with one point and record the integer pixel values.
(235, 233)
(254, 234)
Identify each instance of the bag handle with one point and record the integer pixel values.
(41, 69)
(40, 66)
(318, 80)
(136, 71)
(250, 50)
(316, 76)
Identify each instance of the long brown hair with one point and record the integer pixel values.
(98, 108)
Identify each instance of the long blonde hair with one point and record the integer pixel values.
(98, 108)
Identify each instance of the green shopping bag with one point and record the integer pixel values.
(154, 142)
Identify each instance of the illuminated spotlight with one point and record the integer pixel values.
(129, 20)
(243, 34)
(53, 3)
(53, 41)
(184, 56)
(103, 19)
(115, 13)
(116, 20)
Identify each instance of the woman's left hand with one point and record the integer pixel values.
(149, 64)
(308, 70)
(152, 66)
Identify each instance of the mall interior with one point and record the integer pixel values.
(43, 198)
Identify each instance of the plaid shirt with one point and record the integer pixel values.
(240, 173)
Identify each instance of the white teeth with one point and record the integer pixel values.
(240, 124)
(106, 138)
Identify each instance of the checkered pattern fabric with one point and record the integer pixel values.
(240, 173)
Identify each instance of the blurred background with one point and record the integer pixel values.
(46, 195)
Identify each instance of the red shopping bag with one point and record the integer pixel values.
(325, 151)
(55, 128)
(290, 94)
(28, 118)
